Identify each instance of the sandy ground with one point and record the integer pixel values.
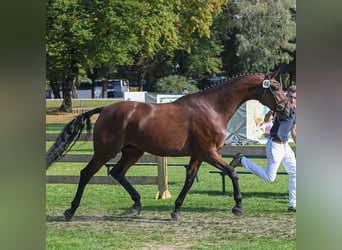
(62, 117)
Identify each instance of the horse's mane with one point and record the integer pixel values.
(228, 81)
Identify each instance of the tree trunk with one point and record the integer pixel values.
(68, 87)
(105, 88)
(92, 74)
(67, 96)
(55, 89)
(142, 81)
(74, 88)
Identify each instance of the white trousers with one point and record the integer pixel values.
(276, 154)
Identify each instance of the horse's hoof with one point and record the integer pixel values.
(68, 214)
(175, 216)
(136, 210)
(237, 211)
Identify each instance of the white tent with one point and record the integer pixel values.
(246, 125)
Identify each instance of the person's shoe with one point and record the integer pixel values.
(236, 162)
(291, 209)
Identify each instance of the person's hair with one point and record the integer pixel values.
(268, 116)
(292, 89)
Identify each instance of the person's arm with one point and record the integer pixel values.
(294, 133)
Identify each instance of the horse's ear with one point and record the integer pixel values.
(274, 74)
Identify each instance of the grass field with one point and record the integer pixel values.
(104, 219)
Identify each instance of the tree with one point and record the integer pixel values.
(114, 27)
(66, 34)
(204, 59)
(174, 84)
(172, 27)
(225, 28)
(266, 34)
(97, 35)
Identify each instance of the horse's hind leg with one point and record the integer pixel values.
(191, 173)
(130, 155)
(85, 175)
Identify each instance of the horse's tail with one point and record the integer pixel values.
(70, 133)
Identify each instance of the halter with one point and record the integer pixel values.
(266, 84)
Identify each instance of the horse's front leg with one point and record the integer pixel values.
(237, 210)
(217, 161)
(191, 173)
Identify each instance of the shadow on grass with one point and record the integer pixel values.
(153, 214)
(229, 194)
(118, 218)
(129, 218)
(272, 195)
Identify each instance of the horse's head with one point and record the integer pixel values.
(272, 95)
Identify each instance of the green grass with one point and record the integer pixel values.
(104, 219)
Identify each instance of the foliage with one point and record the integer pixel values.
(144, 41)
(101, 35)
(171, 29)
(174, 84)
(170, 25)
(204, 61)
(110, 33)
(266, 34)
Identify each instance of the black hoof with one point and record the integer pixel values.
(175, 216)
(237, 211)
(68, 214)
(136, 210)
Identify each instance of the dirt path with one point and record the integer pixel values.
(62, 117)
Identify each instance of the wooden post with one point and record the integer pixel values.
(163, 192)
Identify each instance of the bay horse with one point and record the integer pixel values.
(194, 125)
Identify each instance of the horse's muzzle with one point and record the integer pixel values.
(286, 113)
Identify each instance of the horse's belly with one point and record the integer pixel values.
(163, 146)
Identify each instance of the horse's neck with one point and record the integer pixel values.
(232, 95)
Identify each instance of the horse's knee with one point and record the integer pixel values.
(234, 176)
